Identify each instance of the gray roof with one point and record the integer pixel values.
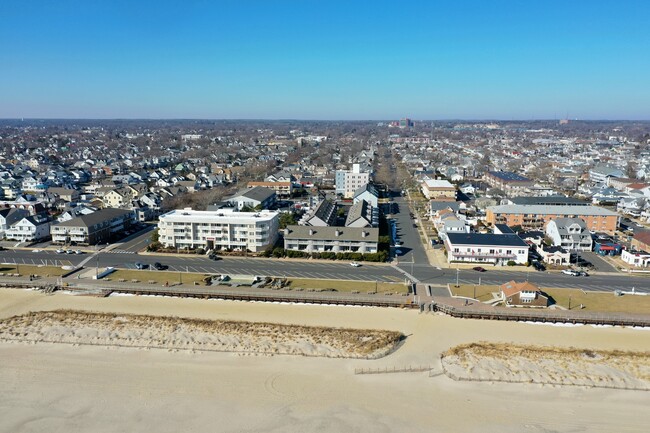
(360, 209)
(504, 229)
(551, 210)
(486, 239)
(509, 176)
(329, 233)
(550, 201)
(258, 193)
(367, 187)
(440, 205)
(325, 211)
(95, 218)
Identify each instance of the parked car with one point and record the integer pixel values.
(160, 267)
(139, 265)
(213, 256)
(583, 273)
(60, 251)
(478, 269)
(69, 252)
(355, 264)
(78, 252)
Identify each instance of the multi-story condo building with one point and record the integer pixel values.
(98, 227)
(220, 229)
(348, 181)
(535, 217)
(331, 239)
(507, 181)
(486, 248)
(438, 189)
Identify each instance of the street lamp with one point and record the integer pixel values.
(457, 276)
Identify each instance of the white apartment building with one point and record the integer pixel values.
(348, 181)
(220, 229)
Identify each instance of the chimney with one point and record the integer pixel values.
(286, 232)
(311, 232)
(364, 233)
(337, 233)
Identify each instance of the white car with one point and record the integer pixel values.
(60, 251)
(570, 272)
(355, 264)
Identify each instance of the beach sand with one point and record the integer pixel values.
(65, 388)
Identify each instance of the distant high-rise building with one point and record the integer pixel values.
(406, 123)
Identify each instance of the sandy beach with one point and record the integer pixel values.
(78, 388)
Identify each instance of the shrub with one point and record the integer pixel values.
(512, 263)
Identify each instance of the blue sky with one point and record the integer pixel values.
(278, 59)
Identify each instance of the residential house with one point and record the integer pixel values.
(554, 255)
(641, 241)
(638, 259)
(282, 189)
(29, 229)
(570, 234)
(257, 197)
(523, 294)
(10, 216)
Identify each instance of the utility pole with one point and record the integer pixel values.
(569, 302)
(457, 276)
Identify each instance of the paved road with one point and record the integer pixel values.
(329, 270)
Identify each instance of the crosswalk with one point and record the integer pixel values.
(119, 252)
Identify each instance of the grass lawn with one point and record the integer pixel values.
(347, 286)
(483, 292)
(160, 277)
(43, 271)
(600, 301)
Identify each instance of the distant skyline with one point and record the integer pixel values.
(325, 60)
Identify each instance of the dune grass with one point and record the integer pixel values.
(604, 302)
(160, 277)
(41, 271)
(483, 292)
(347, 286)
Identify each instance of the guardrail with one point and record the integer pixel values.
(546, 316)
(247, 294)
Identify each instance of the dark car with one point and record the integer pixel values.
(478, 269)
(213, 256)
(139, 265)
(538, 266)
(160, 267)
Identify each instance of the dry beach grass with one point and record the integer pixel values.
(501, 362)
(145, 331)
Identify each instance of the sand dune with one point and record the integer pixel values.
(145, 331)
(548, 365)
